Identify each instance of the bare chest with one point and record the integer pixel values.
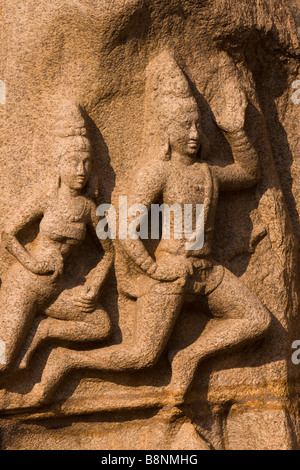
(187, 185)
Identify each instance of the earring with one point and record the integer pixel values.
(167, 151)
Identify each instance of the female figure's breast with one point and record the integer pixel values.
(62, 227)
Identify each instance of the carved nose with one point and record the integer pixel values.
(194, 134)
(80, 170)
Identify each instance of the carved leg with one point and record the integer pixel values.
(93, 327)
(238, 318)
(17, 310)
(156, 316)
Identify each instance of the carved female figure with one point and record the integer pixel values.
(36, 279)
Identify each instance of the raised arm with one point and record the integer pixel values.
(245, 171)
(230, 116)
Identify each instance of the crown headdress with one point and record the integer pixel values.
(166, 79)
(167, 92)
(70, 130)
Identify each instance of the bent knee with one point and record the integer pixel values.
(142, 359)
(103, 328)
(261, 320)
(265, 319)
(106, 327)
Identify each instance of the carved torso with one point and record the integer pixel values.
(189, 188)
(64, 226)
(196, 185)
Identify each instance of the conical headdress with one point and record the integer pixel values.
(166, 83)
(167, 94)
(70, 130)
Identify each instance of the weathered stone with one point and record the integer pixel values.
(160, 343)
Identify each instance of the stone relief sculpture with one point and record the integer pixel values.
(35, 281)
(159, 342)
(179, 173)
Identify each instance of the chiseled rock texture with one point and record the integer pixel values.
(123, 345)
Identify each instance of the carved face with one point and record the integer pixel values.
(185, 130)
(75, 169)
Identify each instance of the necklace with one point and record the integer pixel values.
(78, 218)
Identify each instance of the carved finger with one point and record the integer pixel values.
(86, 310)
(85, 302)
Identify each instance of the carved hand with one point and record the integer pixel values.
(180, 268)
(86, 299)
(230, 109)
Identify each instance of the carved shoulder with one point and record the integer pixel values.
(148, 182)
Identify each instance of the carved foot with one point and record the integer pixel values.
(183, 372)
(10, 401)
(40, 335)
(25, 361)
(35, 398)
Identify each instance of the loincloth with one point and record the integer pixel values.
(207, 276)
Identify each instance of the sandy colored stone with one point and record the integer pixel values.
(126, 344)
